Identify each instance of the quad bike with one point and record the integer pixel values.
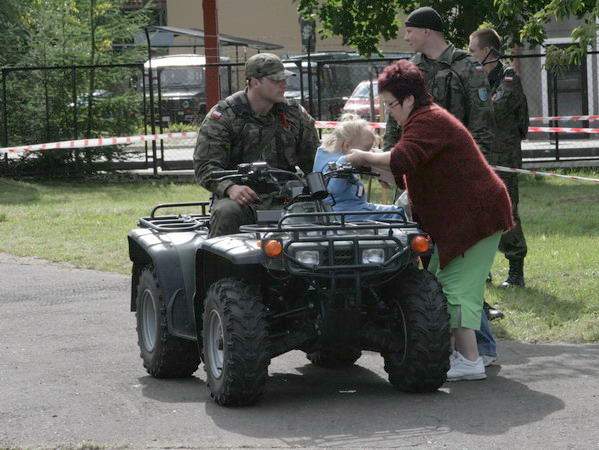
(302, 278)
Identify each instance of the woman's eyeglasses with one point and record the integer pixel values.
(392, 104)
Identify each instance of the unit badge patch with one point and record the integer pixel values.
(497, 95)
(483, 94)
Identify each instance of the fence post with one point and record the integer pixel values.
(4, 111)
(555, 112)
(74, 96)
(152, 124)
(160, 112)
(310, 91)
(319, 93)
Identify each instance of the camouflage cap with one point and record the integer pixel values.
(266, 65)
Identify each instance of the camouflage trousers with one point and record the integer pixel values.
(226, 215)
(513, 243)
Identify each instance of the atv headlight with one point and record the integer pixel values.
(310, 257)
(373, 256)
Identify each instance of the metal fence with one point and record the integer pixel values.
(48, 104)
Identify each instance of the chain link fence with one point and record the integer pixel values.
(62, 103)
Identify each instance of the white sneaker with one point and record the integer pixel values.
(488, 360)
(463, 369)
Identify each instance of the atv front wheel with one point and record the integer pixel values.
(236, 352)
(419, 317)
(332, 359)
(163, 355)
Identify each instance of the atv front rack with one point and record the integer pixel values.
(341, 248)
(180, 222)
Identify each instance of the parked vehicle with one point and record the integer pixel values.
(179, 85)
(362, 99)
(302, 278)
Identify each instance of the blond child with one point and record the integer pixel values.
(349, 194)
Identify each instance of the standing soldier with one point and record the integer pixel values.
(257, 124)
(511, 115)
(456, 81)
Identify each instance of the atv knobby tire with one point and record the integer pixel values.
(420, 318)
(334, 358)
(163, 355)
(236, 347)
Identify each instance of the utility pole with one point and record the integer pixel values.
(212, 50)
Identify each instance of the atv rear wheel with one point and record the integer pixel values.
(236, 352)
(163, 355)
(332, 359)
(420, 318)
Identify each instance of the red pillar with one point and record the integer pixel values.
(212, 51)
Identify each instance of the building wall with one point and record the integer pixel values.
(536, 79)
(272, 21)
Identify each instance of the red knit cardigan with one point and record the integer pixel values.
(457, 197)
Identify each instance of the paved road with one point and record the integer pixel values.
(70, 373)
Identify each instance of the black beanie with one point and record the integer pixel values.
(425, 18)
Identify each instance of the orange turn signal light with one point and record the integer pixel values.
(421, 244)
(272, 248)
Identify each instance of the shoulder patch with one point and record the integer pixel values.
(479, 69)
(508, 78)
(497, 95)
(216, 114)
(303, 110)
(483, 94)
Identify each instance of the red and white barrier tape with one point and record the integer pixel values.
(320, 124)
(548, 119)
(381, 125)
(545, 174)
(82, 143)
(562, 130)
(99, 142)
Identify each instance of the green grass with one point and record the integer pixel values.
(86, 224)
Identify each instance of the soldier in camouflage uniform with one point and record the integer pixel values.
(257, 124)
(456, 80)
(511, 115)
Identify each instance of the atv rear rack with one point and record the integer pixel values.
(180, 222)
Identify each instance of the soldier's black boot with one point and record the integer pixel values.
(515, 275)
(491, 312)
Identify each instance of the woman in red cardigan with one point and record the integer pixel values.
(456, 196)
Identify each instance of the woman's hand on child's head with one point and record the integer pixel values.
(356, 157)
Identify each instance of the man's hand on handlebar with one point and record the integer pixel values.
(241, 194)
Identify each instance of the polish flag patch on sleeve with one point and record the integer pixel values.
(216, 114)
(509, 78)
(479, 68)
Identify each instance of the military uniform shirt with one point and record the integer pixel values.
(511, 116)
(232, 133)
(459, 84)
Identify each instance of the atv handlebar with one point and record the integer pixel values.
(345, 170)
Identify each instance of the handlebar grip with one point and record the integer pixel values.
(223, 173)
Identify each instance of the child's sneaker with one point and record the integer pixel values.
(462, 369)
(489, 360)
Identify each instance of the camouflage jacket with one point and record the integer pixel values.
(232, 133)
(511, 116)
(459, 84)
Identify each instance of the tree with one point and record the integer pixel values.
(363, 23)
(57, 104)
